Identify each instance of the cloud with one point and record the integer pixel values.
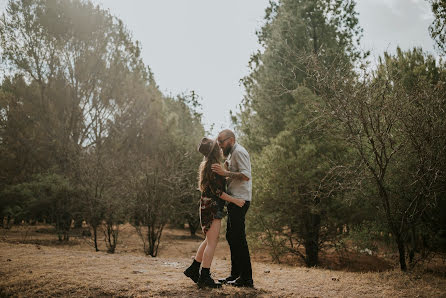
(391, 23)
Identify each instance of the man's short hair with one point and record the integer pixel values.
(227, 133)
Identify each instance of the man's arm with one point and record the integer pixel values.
(217, 168)
(230, 199)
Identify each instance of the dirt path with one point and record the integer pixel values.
(36, 270)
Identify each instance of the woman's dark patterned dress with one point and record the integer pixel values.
(211, 206)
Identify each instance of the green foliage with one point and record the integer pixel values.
(47, 197)
(293, 29)
(417, 178)
(368, 234)
(437, 28)
(394, 119)
(298, 155)
(297, 180)
(14, 200)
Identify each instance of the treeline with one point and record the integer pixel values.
(85, 133)
(343, 150)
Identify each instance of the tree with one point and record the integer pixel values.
(293, 28)
(189, 131)
(165, 164)
(394, 120)
(437, 29)
(274, 115)
(83, 70)
(25, 148)
(417, 80)
(297, 181)
(50, 197)
(79, 58)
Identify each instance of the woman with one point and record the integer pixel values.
(212, 187)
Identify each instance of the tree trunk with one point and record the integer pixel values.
(402, 252)
(311, 239)
(95, 237)
(8, 222)
(400, 243)
(193, 222)
(151, 240)
(111, 238)
(78, 223)
(413, 245)
(311, 251)
(59, 229)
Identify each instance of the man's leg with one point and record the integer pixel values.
(245, 258)
(239, 244)
(233, 245)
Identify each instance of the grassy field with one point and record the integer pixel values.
(33, 263)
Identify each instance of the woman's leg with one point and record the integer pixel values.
(193, 271)
(211, 240)
(200, 251)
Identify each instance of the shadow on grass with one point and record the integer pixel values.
(3, 293)
(349, 261)
(226, 291)
(185, 237)
(45, 242)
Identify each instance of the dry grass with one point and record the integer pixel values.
(36, 266)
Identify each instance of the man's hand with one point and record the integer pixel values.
(240, 202)
(217, 168)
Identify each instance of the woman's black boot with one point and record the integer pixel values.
(193, 271)
(206, 281)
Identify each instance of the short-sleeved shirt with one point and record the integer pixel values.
(239, 161)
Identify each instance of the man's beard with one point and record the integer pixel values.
(227, 150)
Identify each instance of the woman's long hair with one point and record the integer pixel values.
(205, 174)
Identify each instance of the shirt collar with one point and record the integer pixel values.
(233, 148)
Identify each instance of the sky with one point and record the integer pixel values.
(205, 45)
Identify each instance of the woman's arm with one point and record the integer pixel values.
(228, 198)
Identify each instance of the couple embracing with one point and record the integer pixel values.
(220, 185)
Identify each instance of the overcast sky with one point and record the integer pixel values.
(205, 45)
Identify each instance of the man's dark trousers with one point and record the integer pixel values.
(236, 236)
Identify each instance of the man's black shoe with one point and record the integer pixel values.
(206, 281)
(227, 279)
(239, 282)
(192, 273)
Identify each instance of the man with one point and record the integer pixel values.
(238, 170)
